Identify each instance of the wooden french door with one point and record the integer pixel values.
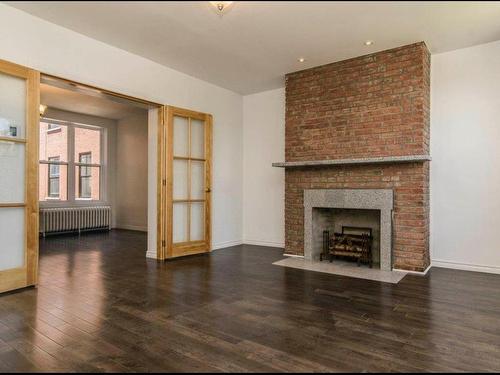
(19, 119)
(188, 155)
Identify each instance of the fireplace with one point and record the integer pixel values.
(360, 128)
(330, 209)
(351, 234)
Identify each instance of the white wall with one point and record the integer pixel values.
(263, 185)
(465, 170)
(41, 45)
(131, 202)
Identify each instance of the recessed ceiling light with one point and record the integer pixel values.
(301, 59)
(368, 42)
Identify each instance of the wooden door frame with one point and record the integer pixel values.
(165, 200)
(28, 274)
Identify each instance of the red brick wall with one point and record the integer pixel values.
(374, 105)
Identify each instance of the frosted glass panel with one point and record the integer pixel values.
(12, 237)
(12, 172)
(12, 106)
(181, 136)
(180, 179)
(197, 180)
(197, 221)
(180, 230)
(197, 139)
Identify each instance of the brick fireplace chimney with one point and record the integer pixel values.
(363, 123)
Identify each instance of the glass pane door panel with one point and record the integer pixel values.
(53, 142)
(197, 179)
(181, 136)
(197, 139)
(12, 168)
(197, 221)
(180, 223)
(180, 182)
(12, 106)
(12, 234)
(53, 182)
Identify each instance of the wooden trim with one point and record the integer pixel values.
(161, 187)
(208, 181)
(188, 158)
(188, 200)
(182, 112)
(189, 182)
(15, 70)
(101, 90)
(12, 205)
(169, 152)
(13, 279)
(12, 139)
(32, 204)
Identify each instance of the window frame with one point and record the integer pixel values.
(88, 168)
(53, 162)
(72, 166)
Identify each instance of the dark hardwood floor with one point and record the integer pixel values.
(101, 306)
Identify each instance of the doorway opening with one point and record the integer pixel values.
(94, 158)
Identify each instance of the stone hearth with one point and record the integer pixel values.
(360, 199)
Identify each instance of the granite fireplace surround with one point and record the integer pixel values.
(362, 125)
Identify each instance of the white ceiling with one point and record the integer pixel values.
(251, 47)
(67, 100)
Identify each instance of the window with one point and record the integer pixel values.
(85, 190)
(54, 177)
(70, 161)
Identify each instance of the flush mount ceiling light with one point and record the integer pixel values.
(301, 59)
(368, 42)
(221, 6)
(42, 109)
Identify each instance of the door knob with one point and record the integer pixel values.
(208, 190)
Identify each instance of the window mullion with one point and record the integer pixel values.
(71, 164)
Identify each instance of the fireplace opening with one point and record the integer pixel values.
(348, 235)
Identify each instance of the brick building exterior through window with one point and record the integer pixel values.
(70, 162)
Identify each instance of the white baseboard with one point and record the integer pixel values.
(418, 273)
(465, 266)
(131, 227)
(224, 244)
(293, 255)
(151, 254)
(263, 243)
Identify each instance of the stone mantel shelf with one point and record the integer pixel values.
(356, 161)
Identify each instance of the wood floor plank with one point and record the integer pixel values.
(101, 306)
